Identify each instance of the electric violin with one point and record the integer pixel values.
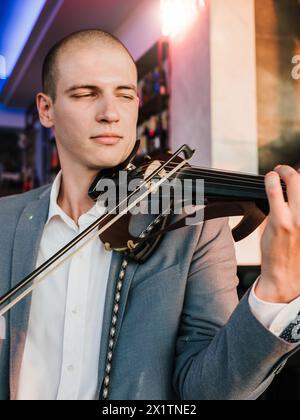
(224, 194)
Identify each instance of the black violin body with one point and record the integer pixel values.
(225, 194)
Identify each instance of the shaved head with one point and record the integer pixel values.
(85, 38)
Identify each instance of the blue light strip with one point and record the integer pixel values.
(17, 20)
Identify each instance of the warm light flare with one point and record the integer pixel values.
(177, 15)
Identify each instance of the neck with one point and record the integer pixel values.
(73, 195)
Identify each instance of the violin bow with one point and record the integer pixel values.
(188, 153)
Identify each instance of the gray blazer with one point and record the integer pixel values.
(182, 333)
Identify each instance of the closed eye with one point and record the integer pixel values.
(126, 97)
(87, 95)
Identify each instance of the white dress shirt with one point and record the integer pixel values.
(62, 347)
(274, 316)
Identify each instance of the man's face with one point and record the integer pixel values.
(96, 108)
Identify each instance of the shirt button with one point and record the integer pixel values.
(278, 330)
(75, 311)
(70, 368)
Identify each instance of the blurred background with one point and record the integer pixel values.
(220, 75)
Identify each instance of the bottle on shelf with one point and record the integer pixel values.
(154, 101)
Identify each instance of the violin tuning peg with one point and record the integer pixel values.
(108, 247)
(169, 152)
(131, 245)
(130, 167)
(148, 157)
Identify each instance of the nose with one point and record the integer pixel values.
(107, 111)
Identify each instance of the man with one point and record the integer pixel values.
(180, 332)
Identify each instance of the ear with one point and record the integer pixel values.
(44, 105)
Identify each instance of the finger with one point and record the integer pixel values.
(278, 206)
(292, 180)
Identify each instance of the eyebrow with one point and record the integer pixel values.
(127, 87)
(92, 87)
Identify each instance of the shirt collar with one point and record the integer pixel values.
(55, 210)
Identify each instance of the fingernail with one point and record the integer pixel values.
(272, 178)
(278, 166)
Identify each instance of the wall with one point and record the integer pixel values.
(213, 104)
(11, 118)
(191, 90)
(213, 83)
(234, 98)
(277, 42)
(142, 29)
(233, 73)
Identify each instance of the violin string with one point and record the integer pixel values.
(252, 184)
(232, 175)
(222, 171)
(219, 172)
(222, 180)
(218, 176)
(213, 170)
(212, 177)
(240, 186)
(224, 174)
(240, 183)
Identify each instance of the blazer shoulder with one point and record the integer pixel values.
(16, 203)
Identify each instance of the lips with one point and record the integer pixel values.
(107, 139)
(113, 135)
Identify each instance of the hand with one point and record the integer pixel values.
(280, 278)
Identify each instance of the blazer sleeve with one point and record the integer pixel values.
(223, 352)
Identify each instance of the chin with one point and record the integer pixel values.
(111, 156)
(107, 162)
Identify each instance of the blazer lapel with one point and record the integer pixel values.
(115, 268)
(140, 223)
(26, 244)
